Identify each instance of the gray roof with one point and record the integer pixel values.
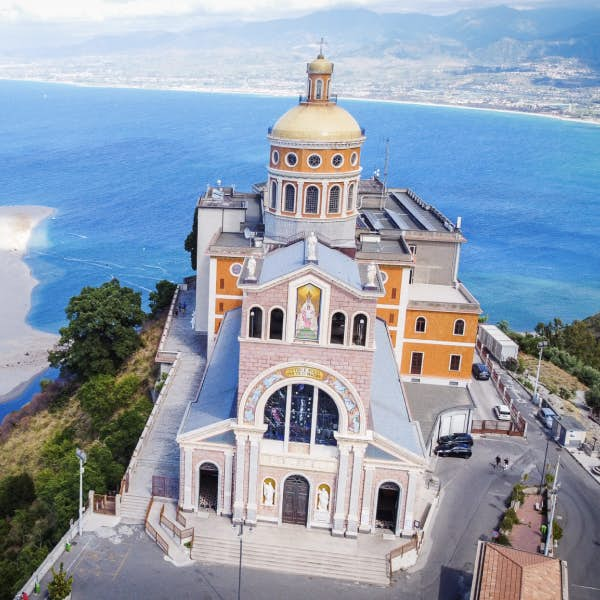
(334, 263)
(378, 454)
(388, 406)
(428, 401)
(217, 399)
(570, 423)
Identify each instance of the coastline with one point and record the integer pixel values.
(23, 349)
(291, 94)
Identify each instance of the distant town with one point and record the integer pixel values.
(559, 87)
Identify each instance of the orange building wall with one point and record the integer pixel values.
(222, 305)
(440, 326)
(226, 283)
(394, 282)
(436, 360)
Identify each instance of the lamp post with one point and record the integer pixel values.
(554, 493)
(82, 456)
(541, 346)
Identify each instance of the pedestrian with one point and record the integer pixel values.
(498, 460)
(505, 464)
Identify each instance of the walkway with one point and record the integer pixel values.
(526, 535)
(159, 454)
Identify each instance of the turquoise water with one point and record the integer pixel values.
(124, 167)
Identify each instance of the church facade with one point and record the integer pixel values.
(322, 295)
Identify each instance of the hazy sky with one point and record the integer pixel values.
(19, 11)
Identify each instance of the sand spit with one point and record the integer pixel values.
(23, 349)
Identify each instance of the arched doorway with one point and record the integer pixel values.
(208, 488)
(388, 500)
(295, 500)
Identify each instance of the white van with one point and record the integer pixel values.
(546, 416)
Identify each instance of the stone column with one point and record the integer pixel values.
(339, 516)
(300, 198)
(227, 481)
(365, 514)
(252, 483)
(188, 502)
(409, 504)
(358, 452)
(240, 460)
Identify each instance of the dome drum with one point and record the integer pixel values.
(315, 160)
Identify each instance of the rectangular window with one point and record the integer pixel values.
(412, 248)
(220, 307)
(455, 362)
(394, 293)
(391, 318)
(416, 363)
(411, 276)
(221, 284)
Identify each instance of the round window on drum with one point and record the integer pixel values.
(337, 161)
(291, 159)
(354, 159)
(314, 161)
(275, 157)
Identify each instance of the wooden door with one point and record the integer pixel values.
(295, 500)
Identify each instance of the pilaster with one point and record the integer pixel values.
(227, 481)
(188, 503)
(410, 505)
(358, 452)
(339, 516)
(365, 514)
(240, 460)
(252, 483)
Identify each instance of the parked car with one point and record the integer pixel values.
(456, 438)
(459, 450)
(502, 412)
(480, 371)
(546, 416)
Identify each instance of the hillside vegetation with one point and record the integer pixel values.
(101, 409)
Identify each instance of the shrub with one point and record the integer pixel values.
(557, 531)
(512, 364)
(161, 298)
(517, 494)
(61, 584)
(503, 540)
(510, 518)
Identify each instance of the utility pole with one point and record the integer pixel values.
(554, 493)
(385, 174)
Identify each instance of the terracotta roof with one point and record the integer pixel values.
(509, 574)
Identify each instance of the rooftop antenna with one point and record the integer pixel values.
(385, 174)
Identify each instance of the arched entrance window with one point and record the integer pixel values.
(295, 500)
(274, 194)
(290, 198)
(459, 327)
(420, 325)
(311, 205)
(301, 413)
(359, 330)
(276, 324)
(388, 501)
(208, 488)
(338, 328)
(255, 322)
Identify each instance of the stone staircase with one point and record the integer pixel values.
(291, 559)
(133, 508)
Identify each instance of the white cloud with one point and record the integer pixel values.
(105, 10)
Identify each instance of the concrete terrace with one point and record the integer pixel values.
(159, 453)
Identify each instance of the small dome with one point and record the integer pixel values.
(318, 122)
(320, 66)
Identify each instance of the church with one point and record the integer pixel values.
(329, 303)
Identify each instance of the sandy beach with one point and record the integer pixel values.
(23, 349)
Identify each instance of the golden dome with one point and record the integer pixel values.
(318, 122)
(320, 66)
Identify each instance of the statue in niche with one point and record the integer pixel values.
(323, 499)
(268, 492)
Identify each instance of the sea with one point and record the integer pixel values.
(124, 167)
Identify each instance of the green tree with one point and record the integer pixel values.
(161, 298)
(191, 241)
(101, 332)
(592, 397)
(16, 491)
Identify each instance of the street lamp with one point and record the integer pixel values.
(82, 456)
(541, 346)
